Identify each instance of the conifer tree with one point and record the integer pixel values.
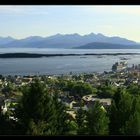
(97, 120)
(7, 126)
(132, 126)
(40, 112)
(120, 111)
(80, 121)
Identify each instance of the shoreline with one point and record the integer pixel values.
(36, 55)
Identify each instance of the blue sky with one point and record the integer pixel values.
(23, 21)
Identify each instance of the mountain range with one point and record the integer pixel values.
(89, 41)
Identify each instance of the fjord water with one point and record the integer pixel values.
(63, 64)
(66, 51)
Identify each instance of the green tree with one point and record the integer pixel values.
(97, 120)
(40, 113)
(133, 89)
(81, 89)
(106, 91)
(7, 126)
(36, 129)
(132, 126)
(60, 117)
(120, 111)
(81, 121)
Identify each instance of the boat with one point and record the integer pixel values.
(123, 58)
(83, 57)
(99, 56)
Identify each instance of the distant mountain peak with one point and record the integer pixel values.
(58, 34)
(99, 34)
(90, 34)
(9, 37)
(63, 40)
(5, 40)
(76, 34)
(32, 37)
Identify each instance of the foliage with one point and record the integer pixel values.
(120, 111)
(80, 121)
(7, 126)
(81, 89)
(106, 91)
(97, 120)
(41, 111)
(132, 126)
(134, 89)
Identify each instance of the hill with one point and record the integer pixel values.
(103, 45)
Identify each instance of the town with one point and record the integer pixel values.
(120, 76)
(78, 104)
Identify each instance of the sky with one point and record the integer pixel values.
(23, 21)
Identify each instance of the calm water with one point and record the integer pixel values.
(66, 51)
(64, 64)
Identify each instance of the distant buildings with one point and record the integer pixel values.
(119, 66)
